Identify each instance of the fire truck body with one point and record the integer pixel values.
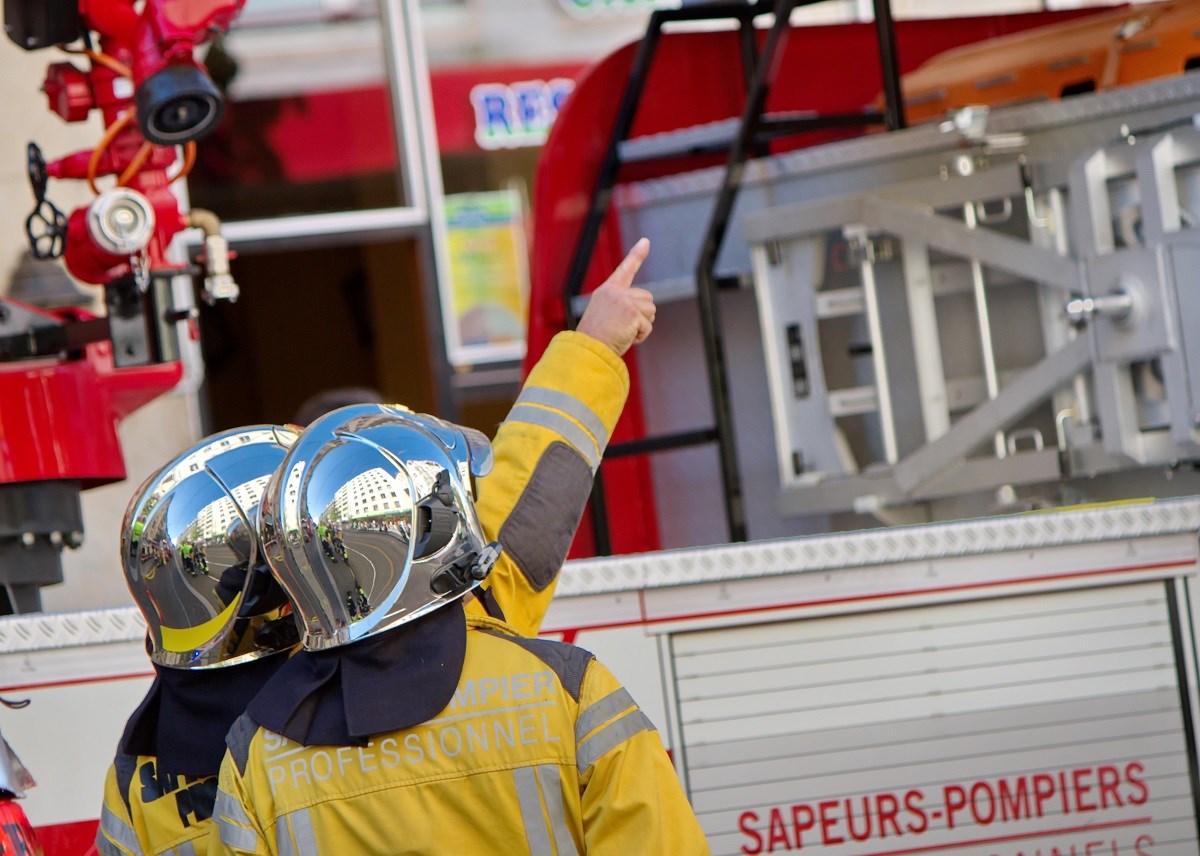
(988, 686)
(939, 320)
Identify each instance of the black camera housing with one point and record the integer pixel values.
(36, 24)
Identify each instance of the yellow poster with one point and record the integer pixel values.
(489, 275)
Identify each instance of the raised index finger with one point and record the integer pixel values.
(628, 268)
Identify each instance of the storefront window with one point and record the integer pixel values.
(303, 154)
(309, 125)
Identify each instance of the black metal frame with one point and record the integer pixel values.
(754, 130)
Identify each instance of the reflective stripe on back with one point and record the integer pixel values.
(559, 424)
(570, 405)
(119, 831)
(539, 787)
(294, 834)
(536, 832)
(550, 778)
(602, 711)
(610, 736)
(187, 848)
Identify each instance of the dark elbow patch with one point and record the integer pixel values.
(538, 533)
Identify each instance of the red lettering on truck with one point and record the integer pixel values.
(1133, 774)
(888, 807)
(1043, 790)
(980, 803)
(1109, 779)
(955, 799)
(777, 832)
(866, 816)
(745, 819)
(1081, 789)
(828, 822)
(1014, 799)
(799, 827)
(912, 803)
(983, 803)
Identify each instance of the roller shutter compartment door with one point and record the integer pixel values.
(1045, 724)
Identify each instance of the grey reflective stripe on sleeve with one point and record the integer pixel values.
(602, 711)
(105, 847)
(530, 797)
(569, 405)
(294, 834)
(119, 831)
(229, 813)
(561, 425)
(613, 734)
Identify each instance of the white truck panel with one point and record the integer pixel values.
(793, 759)
(794, 674)
(79, 698)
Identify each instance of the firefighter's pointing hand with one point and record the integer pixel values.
(619, 314)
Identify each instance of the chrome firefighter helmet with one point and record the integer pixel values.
(191, 557)
(370, 521)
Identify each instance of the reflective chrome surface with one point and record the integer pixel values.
(370, 521)
(191, 556)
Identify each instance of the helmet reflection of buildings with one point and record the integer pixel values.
(376, 492)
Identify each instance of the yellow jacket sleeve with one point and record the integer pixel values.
(632, 799)
(546, 453)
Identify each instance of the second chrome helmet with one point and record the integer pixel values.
(191, 557)
(370, 522)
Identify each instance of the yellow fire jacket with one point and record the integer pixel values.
(545, 454)
(540, 751)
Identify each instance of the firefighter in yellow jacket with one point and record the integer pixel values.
(215, 639)
(405, 726)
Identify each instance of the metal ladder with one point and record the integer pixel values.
(742, 138)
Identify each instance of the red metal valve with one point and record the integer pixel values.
(69, 91)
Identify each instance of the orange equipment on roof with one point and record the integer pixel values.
(1114, 48)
